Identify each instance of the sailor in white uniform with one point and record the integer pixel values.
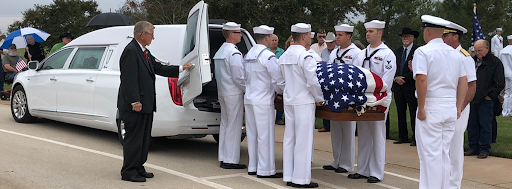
(342, 132)
(497, 42)
(506, 58)
(441, 86)
(262, 76)
(229, 73)
(451, 37)
(381, 60)
(301, 92)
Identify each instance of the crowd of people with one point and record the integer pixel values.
(441, 84)
(34, 51)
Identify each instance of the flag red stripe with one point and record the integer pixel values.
(378, 87)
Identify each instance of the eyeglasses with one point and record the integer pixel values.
(322, 36)
(152, 35)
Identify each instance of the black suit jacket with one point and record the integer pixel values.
(138, 78)
(409, 85)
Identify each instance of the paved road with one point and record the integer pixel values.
(49, 154)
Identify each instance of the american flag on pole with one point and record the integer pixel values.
(345, 85)
(477, 31)
(20, 64)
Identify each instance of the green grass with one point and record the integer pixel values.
(502, 147)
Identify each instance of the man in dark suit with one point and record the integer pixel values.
(404, 86)
(136, 100)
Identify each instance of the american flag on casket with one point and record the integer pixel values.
(345, 85)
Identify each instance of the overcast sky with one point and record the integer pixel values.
(10, 10)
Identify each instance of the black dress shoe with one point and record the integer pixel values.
(310, 185)
(328, 167)
(373, 179)
(289, 183)
(357, 176)
(340, 170)
(147, 175)
(413, 143)
(135, 178)
(221, 164)
(251, 173)
(233, 166)
(400, 141)
(277, 175)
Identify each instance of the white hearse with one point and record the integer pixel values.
(79, 83)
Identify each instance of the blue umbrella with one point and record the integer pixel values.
(18, 37)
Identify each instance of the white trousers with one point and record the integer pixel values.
(231, 120)
(298, 143)
(507, 103)
(259, 124)
(433, 137)
(343, 144)
(371, 147)
(457, 149)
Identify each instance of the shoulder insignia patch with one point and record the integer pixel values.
(270, 57)
(463, 51)
(236, 54)
(308, 56)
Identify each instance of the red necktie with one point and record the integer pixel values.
(146, 54)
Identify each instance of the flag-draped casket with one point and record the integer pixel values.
(352, 93)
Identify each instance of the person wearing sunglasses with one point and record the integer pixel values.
(321, 45)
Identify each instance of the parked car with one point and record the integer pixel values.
(79, 83)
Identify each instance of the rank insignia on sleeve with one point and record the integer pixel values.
(388, 65)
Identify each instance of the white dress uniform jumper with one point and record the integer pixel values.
(343, 132)
(496, 44)
(372, 134)
(229, 73)
(262, 76)
(301, 92)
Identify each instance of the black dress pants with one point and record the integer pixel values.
(136, 141)
(402, 101)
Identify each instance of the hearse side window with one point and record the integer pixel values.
(57, 60)
(87, 58)
(190, 35)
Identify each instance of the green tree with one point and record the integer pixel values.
(284, 13)
(397, 14)
(158, 11)
(59, 17)
(250, 13)
(491, 14)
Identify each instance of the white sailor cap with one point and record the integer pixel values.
(499, 29)
(312, 34)
(377, 24)
(509, 37)
(433, 22)
(344, 28)
(263, 29)
(455, 28)
(301, 28)
(231, 26)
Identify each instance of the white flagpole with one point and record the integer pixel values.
(474, 8)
